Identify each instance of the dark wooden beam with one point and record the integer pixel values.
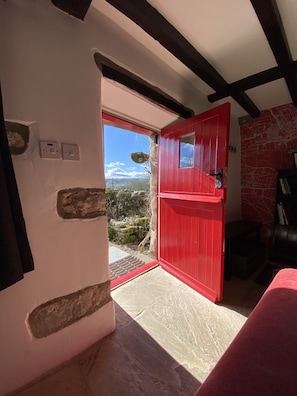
(76, 8)
(247, 83)
(246, 103)
(116, 73)
(270, 19)
(252, 81)
(153, 23)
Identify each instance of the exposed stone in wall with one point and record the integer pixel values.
(18, 137)
(81, 203)
(61, 312)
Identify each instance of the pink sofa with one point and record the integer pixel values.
(262, 358)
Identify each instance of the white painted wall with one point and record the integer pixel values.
(49, 77)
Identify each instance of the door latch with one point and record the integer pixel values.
(218, 175)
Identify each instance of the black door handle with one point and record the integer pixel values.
(218, 175)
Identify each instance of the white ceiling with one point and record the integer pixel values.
(228, 34)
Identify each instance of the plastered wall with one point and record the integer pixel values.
(49, 80)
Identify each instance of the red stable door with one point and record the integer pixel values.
(193, 157)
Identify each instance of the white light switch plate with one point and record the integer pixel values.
(50, 150)
(70, 152)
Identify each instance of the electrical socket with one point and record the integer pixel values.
(50, 150)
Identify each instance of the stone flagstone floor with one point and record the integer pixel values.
(168, 338)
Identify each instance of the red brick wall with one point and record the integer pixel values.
(267, 144)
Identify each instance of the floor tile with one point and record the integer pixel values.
(168, 338)
(129, 362)
(67, 381)
(193, 330)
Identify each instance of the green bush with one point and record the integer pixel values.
(128, 215)
(111, 234)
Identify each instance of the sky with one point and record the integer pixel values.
(118, 145)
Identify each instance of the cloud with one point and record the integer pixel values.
(186, 155)
(186, 162)
(112, 164)
(118, 173)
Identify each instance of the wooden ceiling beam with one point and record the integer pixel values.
(270, 19)
(153, 23)
(246, 83)
(78, 9)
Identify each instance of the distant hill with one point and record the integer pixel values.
(128, 183)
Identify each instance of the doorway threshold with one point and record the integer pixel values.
(125, 266)
(133, 274)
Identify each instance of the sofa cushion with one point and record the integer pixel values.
(262, 358)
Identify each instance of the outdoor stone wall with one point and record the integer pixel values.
(126, 203)
(129, 230)
(61, 312)
(81, 203)
(128, 215)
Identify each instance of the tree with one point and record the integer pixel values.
(150, 160)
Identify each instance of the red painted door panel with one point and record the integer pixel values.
(191, 209)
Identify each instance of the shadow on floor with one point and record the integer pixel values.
(167, 340)
(242, 295)
(127, 362)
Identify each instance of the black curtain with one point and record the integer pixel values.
(15, 253)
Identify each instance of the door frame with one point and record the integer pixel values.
(132, 127)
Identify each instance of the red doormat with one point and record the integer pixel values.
(124, 266)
